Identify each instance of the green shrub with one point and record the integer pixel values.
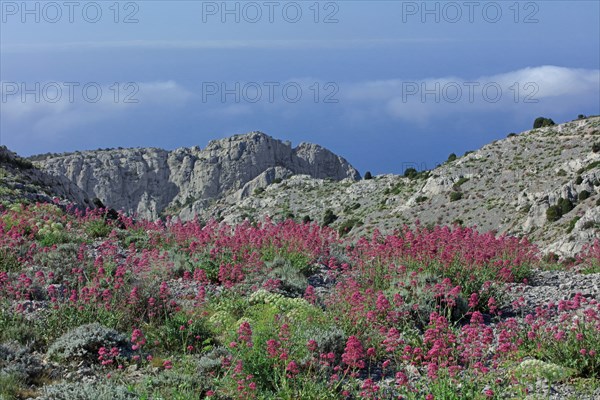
(306, 219)
(410, 172)
(421, 199)
(414, 174)
(561, 172)
(368, 175)
(541, 122)
(591, 166)
(329, 217)
(584, 194)
(553, 213)
(572, 224)
(596, 147)
(451, 157)
(347, 226)
(565, 205)
(258, 191)
(578, 180)
(293, 283)
(98, 229)
(455, 196)
(512, 134)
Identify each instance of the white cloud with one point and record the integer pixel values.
(58, 107)
(418, 100)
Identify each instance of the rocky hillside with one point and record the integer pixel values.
(152, 182)
(21, 181)
(507, 186)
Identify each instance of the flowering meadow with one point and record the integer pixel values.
(92, 307)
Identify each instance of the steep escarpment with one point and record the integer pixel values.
(150, 181)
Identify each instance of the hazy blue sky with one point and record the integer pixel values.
(385, 84)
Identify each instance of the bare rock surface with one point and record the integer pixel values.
(149, 181)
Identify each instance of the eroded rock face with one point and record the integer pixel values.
(148, 181)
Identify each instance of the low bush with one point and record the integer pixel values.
(455, 196)
(83, 343)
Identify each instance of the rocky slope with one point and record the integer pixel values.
(149, 182)
(21, 181)
(506, 186)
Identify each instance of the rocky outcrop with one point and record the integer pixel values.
(149, 181)
(20, 180)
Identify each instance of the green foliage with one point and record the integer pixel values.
(15, 161)
(512, 134)
(541, 122)
(455, 196)
(98, 229)
(591, 166)
(553, 213)
(572, 224)
(352, 207)
(329, 217)
(578, 180)
(410, 172)
(565, 205)
(596, 147)
(259, 191)
(306, 219)
(460, 182)
(421, 199)
(139, 237)
(10, 386)
(179, 331)
(368, 175)
(347, 226)
(561, 172)
(293, 282)
(584, 194)
(15, 327)
(566, 352)
(451, 157)
(9, 261)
